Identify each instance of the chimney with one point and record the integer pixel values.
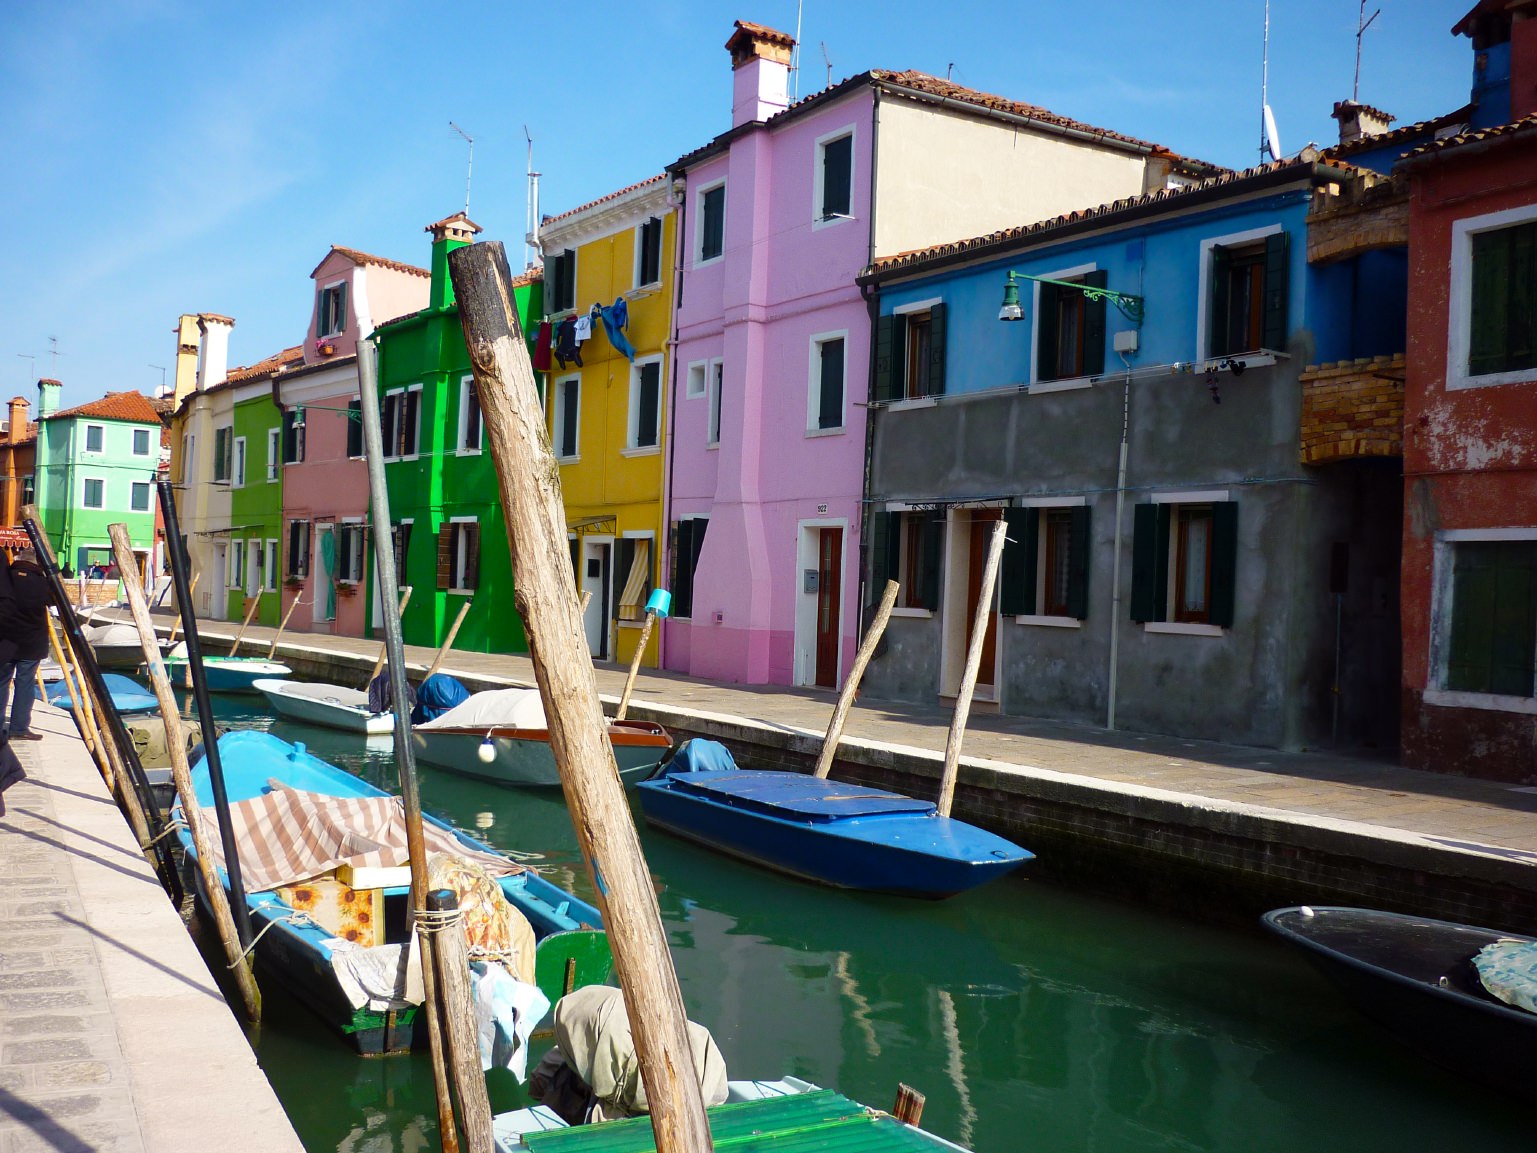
(1156, 171)
(213, 357)
(18, 424)
(189, 341)
(1523, 60)
(1358, 121)
(760, 64)
(48, 397)
(447, 235)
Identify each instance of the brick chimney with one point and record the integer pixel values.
(454, 232)
(1358, 121)
(213, 356)
(48, 397)
(1523, 60)
(18, 425)
(760, 63)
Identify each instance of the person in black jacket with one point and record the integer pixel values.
(23, 640)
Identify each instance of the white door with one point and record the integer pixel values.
(218, 594)
(323, 573)
(596, 558)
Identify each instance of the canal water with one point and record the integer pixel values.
(1035, 1019)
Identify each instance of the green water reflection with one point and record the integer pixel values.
(1036, 1020)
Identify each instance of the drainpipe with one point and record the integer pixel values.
(664, 553)
(1115, 563)
(871, 293)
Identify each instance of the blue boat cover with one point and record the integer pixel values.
(700, 755)
(796, 796)
(439, 693)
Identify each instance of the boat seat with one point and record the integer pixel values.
(793, 795)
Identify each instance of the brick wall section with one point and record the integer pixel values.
(1369, 213)
(1353, 409)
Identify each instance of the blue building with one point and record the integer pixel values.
(1173, 565)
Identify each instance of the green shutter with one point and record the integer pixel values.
(877, 546)
(1016, 576)
(682, 587)
(1276, 291)
(937, 350)
(1224, 562)
(1219, 287)
(883, 358)
(1494, 618)
(933, 551)
(1048, 320)
(1150, 562)
(341, 307)
(1515, 623)
(1080, 546)
(1094, 325)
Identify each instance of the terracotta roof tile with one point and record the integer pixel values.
(1398, 135)
(604, 199)
(357, 257)
(761, 32)
(457, 218)
(267, 367)
(130, 406)
(1520, 127)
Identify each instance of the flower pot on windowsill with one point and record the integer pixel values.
(325, 348)
(294, 584)
(346, 588)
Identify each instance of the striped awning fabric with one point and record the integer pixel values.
(288, 835)
(635, 585)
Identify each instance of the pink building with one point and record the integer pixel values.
(778, 216)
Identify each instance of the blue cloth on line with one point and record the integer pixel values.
(616, 317)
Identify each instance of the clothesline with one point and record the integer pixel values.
(562, 340)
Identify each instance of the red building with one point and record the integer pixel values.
(1469, 596)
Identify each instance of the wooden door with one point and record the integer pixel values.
(982, 521)
(829, 586)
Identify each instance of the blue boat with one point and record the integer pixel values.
(227, 674)
(571, 950)
(128, 695)
(839, 834)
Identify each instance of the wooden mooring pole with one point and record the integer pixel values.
(448, 641)
(451, 955)
(384, 649)
(973, 663)
(272, 649)
(256, 602)
(640, 651)
(546, 599)
(851, 685)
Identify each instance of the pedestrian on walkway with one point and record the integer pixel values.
(23, 641)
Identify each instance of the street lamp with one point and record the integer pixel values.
(1130, 306)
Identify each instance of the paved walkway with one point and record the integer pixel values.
(113, 1036)
(1455, 810)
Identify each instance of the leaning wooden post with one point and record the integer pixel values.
(176, 624)
(176, 745)
(448, 641)
(545, 597)
(245, 624)
(77, 707)
(658, 606)
(384, 649)
(452, 957)
(283, 624)
(973, 663)
(851, 685)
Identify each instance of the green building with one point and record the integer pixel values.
(96, 465)
(256, 498)
(450, 536)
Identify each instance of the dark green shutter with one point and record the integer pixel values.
(881, 568)
(1220, 289)
(341, 307)
(1224, 562)
(1016, 592)
(445, 556)
(837, 167)
(1150, 562)
(1048, 320)
(1080, 545)
(1276, 291)
(933, 550)
(626, 560)
(355, 428)
(575, 544)
(1494, 618)
(682, 590)
(1094, 325)
(937, 350)
(885, 359)
(470, 578)
(830, 397)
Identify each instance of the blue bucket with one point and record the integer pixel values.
(659, 603)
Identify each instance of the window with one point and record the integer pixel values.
(354, 429)
(648, 253)
(1246, 293)
(1045, 571)
(1502, 333)
(239, 475)
(352, 542)
(256, 565)
(236, 564)
(188, 457)
(274, 452)
(459, 556)
(687, 540)
(400, 542)
(835, 178)
(562, 281)
(1491, 635)
(568, 402)
(223, 454)
(29, 489)
(906, 547)
(711, 229)
(272, 563)
(910, 354)
(825, 409)
(411, 422)
(298, 548)
(293, 436)
(1184, 560)
(1070, 328)
(645, 403)
(400, 422)
(138, 496)
(141, 442)
(469, 416)
(95, 436)
(635, 562)
(717, 383)
(698, 376)
(95, 494)
(331, 310)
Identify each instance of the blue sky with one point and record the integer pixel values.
(166, 157)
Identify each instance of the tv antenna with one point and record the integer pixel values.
(469, 168)
(31, 366)
(827, 62)
(161, 367)
(1362, 24)
(1269, 141)
(531, 251)
(795, 53)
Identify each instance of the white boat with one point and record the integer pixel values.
(116, 645)
(333, 706)
(502, 736)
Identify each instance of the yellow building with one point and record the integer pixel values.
(607, 262)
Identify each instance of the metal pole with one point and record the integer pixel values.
(177, 551)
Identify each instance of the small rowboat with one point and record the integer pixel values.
(502, 736)
(116, 646)
(226, 674)
(332, 706)
(128, 696)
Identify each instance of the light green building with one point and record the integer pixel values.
(256, 499)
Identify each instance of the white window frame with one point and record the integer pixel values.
(149, 445)
(273, 554)
(467, 390)
(274, 454)
(697, 383)
(255, 564)
(86, 448)
(84, 488)
(1459, 332)
(700, 261)
(632, 429)
(1034, 377)
(818, 221)
(238, 463)
(1184, 628)
(149, 498)
(619, 578)
(459, 559)
(1442, 566)
(715, 377)
(814, 384)
(235, 572)
(322, 291)
(1204, 285)
(1037, 505)
(560, 417)
(391, 437)
(354, 524)
(416, 431)
(661, 252)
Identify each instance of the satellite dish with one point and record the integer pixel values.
(1272, 138)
